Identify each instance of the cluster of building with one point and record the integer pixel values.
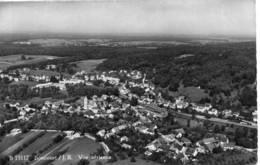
(150, 105)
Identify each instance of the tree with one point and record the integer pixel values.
(188, 123)
(54, 79)
(98, 163)
(23, 57)
(132, 159)
(83, 162)
(57, 139)
(217, 129)
(248, 97)
(223, 128)
(206, 123)
(245, 130)
(31, 157)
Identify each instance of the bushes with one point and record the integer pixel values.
(57, 139)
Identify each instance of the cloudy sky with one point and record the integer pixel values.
(189, 17)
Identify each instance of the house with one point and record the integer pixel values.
(15, 131)
(182, 105)
(180, 132)
(199, 108)
(201, 149)
(227, 113)
(136, 123)
(207, 106)
(154, 145)
(22, 112)
(179, 99)
(126, 146)
(191, 151)
(236, 114)
(228, 146)
(213, 111)
(255, 116)
(148, 153)
(169, 138)
(69, 133)
(210, 146)
(209, 140)
(124, 138)
(186, 141)
(222, 138)
(176, 147)
(182, 157)
(206, 141)
(164, 148)
(101, 133)
(76, 135)
(108, 135)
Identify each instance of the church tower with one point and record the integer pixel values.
(85, 103)
(144, 78)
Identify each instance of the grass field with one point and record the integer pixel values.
(196, 94)
(36, 145)
(10, 140)
(45, 139)
(88, 65)
(6, 61)
(29, 83)
(193, 123)
(82, 146)
(14, 146)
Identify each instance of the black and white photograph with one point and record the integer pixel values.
(128, 82)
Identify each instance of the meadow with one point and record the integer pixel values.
(11, 60)
(88, 65)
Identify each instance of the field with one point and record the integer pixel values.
(193, 123)
(29, 83)
(88, 65)
(45, 139)
(18, 144)
(6, 61)
(83, 146)
(196, 94)
(36, 145)
(10, 140)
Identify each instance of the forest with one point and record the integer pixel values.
(224, 68)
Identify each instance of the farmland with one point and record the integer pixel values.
(18, 144)
(37, 145)
(84, 146)
(8, 141)
(88, 65)
(11, 60)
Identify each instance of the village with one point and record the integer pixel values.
(139, 112)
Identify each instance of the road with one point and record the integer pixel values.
(216, 120)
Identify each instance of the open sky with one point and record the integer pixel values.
(182, 17)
